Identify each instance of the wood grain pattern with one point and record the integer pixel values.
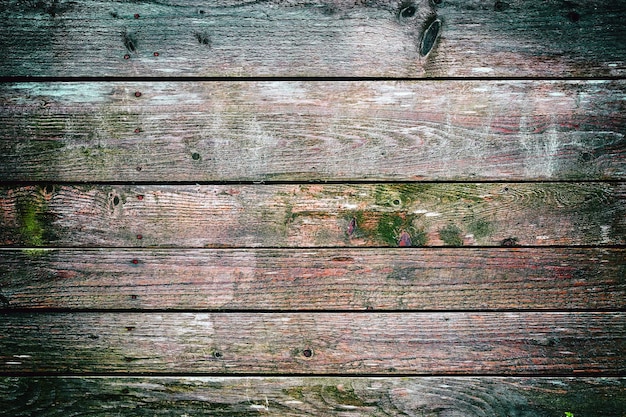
(328, 396)
(312, 38)
(546, 343)
(314, 215)
(321, 279)
(311, 131)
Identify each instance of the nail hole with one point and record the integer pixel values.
(137, 93)
(156, 54)
(136, 16)
(396, 202)
(137, 130)
(139, 237)
(430, 37)
(133, 297)
(407, 12)
(307, 353)
(126, 56)
(573, 16)
(135, 261)
(217, 355)
(195, 156)
(140, 197)
(130, 328)
(138, 168)
(116, 200)
(506, 189)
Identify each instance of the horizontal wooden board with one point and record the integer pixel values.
(236, 396)
(312, 38)
(304, 131)
(339, 279)
(541, 343)
(418, 214)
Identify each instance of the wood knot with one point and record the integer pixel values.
(430, 36)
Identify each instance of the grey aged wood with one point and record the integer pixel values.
(497, 343)
(303, 131)
(327, 396)
(311, 215)
(312, 38)
(316, 279)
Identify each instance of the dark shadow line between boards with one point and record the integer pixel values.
(307, 248)
(235, 375)
(347, 182)
(7, 311)
(40, 79)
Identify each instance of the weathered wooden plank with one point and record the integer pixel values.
(418, 279)
(302, 131)
(426, 214)
(230, 396)
(312, 38)
(541, 343)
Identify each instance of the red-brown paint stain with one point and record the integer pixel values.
(352, 226)
(405, 239)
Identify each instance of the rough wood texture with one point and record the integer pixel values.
(542, 343)
(312, 38)
(436, 214)
(419, 279)
(302, 131)
(337, 397)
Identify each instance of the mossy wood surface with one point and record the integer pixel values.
(299, 397)
(372, 38)
(373, 343)
(314, 215)
(317, 279)
(313, 131)
(256, 207)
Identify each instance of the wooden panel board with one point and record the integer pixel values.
(230, 396)
(312, 38)
(304, 131)
(341, 279)
(427, 214)
(541, 343)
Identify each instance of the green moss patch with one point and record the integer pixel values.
(451, 235)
